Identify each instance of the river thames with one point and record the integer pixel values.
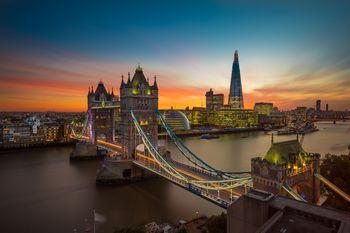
(42, 191)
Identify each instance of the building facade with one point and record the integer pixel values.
(227, 117)
(287, 163)
(213, 101)
(102, 110)
(197, 116)
(139, 96)
(236, 94)
(263, 108)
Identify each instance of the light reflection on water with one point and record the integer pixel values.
(43, 192)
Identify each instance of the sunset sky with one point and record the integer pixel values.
(291, 53)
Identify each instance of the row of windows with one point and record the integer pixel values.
(265, 182)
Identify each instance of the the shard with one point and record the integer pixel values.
(236, 96)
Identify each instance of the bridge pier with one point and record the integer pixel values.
(85, 151)
(119, 171)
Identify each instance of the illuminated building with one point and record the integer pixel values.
(51, 132)
(297, 118)
(274, 120)
(102, 110)
(263, 108)
(16, 135)
(236, 94)
(197, 116)
(226, 117)
(213, 101)
(142, 98)
(287, 163)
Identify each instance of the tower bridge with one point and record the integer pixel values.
(137, 151)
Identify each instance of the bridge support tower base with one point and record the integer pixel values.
(115, 172)
(85, 151)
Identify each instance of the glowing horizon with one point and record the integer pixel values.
(289, 55)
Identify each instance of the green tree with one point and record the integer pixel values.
(217, 224)
(336, 168)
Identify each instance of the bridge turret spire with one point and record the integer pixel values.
(271, 138)
(155, 86)
(128, 83)
(122, 84)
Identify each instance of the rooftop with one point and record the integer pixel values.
(285, 152)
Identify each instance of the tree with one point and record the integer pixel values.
(217, 224)
(336, 169)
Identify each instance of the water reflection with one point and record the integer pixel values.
(43, 192)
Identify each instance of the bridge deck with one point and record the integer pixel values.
(225, 196)
(219, 197)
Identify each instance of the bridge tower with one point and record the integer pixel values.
(287, 165)
(138, 95)
(102, 109)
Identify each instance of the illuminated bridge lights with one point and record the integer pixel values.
(191, 178)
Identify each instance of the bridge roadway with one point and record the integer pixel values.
(220, 197)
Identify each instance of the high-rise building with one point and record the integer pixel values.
(327, 108)
(213, 101)
(263, 108)
(318, 105)
(236, 96)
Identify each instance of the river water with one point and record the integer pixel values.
(42, 191)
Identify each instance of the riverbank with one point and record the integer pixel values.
(43, 145)
(217, 131)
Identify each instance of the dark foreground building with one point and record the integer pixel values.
(262, 212)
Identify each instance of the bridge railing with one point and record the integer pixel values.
(333, 187)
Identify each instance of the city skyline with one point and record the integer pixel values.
(290, 54)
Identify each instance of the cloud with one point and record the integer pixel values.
(330, 83)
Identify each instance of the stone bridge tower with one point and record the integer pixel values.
(142, 98)
(287, 163)
(102, 109)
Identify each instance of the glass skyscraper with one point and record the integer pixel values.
(236, 97)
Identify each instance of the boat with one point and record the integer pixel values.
(285, 131)
(209, 136)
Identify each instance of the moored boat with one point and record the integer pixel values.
(209, 136)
